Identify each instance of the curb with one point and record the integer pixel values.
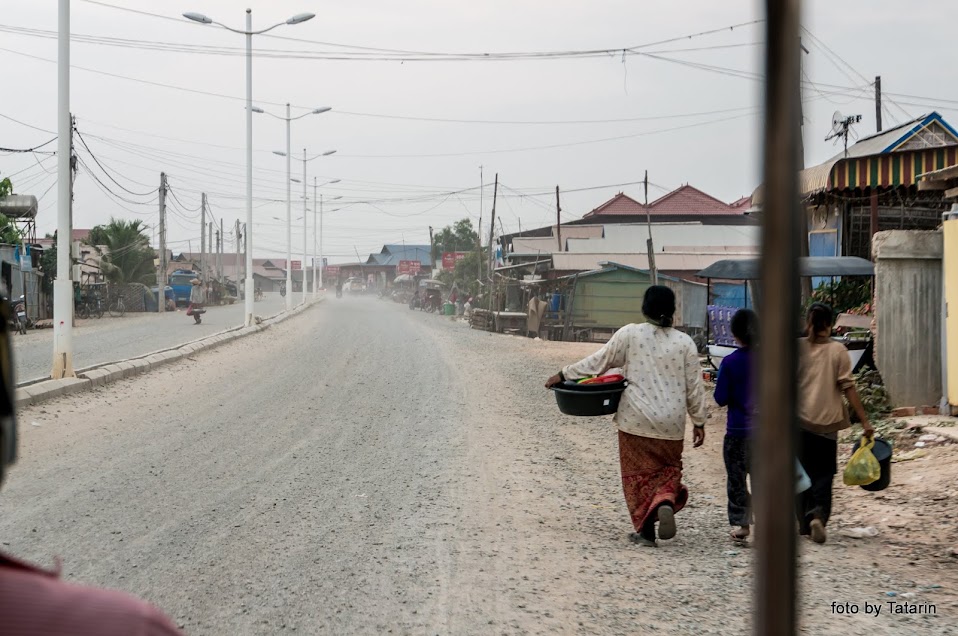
(108, 373)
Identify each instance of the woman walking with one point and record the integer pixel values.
(734, 389)
(197, 298)
(665, 383)
(824, 375)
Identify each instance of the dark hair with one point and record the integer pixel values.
(821, 318)
(745, 327)
(659, 305)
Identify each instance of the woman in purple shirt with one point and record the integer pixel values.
(734, 390)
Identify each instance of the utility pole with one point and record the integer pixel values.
(492, 232)
(246, 272)
(649, 247)
(322, 259)
(222, 238)
(558, 222)
(161, 239)
(303, 264)
(482, 189)
(315, 229)
(236, 268)
(432, 250)
(63, 285)
(203, 240)
(878, 103)
(209, 253)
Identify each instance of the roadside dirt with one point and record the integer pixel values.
(367, 469)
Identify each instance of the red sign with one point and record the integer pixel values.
(296, 264)
(449, 259)
(409, 267)
(332, 271)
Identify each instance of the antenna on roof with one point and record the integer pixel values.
(842, 128)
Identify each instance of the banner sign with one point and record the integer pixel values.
(332, 270)
(409, 267)
(449, 259)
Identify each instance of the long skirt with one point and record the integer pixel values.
(651, 475)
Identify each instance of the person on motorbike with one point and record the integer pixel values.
(35, 601)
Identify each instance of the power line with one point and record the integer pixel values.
(16, 150)
(106, 172)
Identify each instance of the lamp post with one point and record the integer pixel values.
(320, 226)
(289, 226)
(306, 160)
(249, 33)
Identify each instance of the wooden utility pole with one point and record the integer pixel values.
(873, 199)
(649, 247)
(878, 103)
(492, 233)
(558, 222)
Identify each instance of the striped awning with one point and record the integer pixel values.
(890, 170)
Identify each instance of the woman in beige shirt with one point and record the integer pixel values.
(824, 376)
(665, 385)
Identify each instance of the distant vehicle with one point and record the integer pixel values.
(354, 286)
(180, 282)
(170, 294)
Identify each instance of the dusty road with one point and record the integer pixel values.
(101, 340)
(367, 469)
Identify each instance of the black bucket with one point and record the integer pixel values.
(882, 452)
(588, 400)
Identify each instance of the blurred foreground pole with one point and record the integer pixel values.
(62, 285)
(775, 592)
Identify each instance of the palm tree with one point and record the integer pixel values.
(125, 252)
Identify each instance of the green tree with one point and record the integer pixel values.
(48, 264)
(125, 252)
(458, 237)
(9, 235)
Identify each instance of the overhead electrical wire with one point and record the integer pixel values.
(107, 172)
(35, 148)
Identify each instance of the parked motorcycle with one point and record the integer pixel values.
(19, 316)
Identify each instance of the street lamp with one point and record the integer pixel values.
(320, 224)
(249, 33)
(289, 226)
(306, 160)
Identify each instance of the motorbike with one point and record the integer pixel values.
(19, 316)
(339, 292)
(414, 302)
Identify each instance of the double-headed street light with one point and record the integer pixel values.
(289, 226)
(249, 33)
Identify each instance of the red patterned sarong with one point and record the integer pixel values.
(651, 475)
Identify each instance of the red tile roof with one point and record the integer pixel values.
(685, 200)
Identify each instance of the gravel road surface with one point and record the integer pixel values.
(100, 340)
(366, 469)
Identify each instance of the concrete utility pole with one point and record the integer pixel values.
(322, 259)
(804, 248)
(873, 199)
(161, 239)
(63, 285)
(649, 247)
(303, 264)
(203, 239)
(216, 258)
(236, 267)
(315, 230)
(210, 259)
(222, 238)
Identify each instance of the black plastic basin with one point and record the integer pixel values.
(588, 400)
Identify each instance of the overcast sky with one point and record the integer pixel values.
(688, 124)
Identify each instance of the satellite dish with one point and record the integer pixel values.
(838, 122)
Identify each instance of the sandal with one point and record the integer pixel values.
(638, 539)
(666, 522)
(740, 534)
